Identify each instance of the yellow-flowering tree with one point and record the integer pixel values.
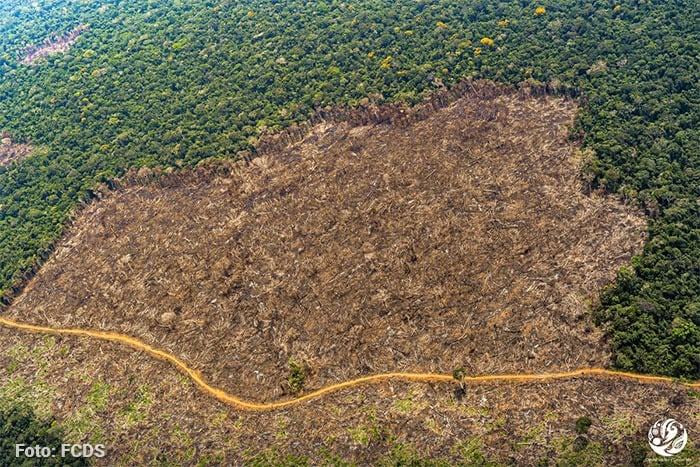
(486, 41)
(540, 10)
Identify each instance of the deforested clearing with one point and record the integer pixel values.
(12, 151)
(53, 45)
(460, 239)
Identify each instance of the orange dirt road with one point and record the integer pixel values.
(256, 406)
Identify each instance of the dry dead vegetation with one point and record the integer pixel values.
(453, 237)
(462, 239)
(148, 414)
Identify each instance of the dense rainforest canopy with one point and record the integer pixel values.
(150, 83)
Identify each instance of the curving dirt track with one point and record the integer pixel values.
(249, 405)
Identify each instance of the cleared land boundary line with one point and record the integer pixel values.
(237, 402)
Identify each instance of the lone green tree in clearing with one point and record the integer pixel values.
(582, 425)
(296, 377)
(459, 375)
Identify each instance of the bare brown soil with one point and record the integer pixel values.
(53, 45)
(461, 239)
(11, 150)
